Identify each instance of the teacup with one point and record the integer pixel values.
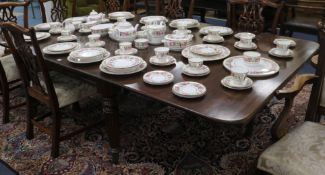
(66, 32)
(84, 27)
(125, 46)
(55, 26)
(239, 74)
(141, 34)
(246, 40)
(141, 43)
(283, 46)
(161, 53)
(252, 57)
(93, 38)
(195, 62)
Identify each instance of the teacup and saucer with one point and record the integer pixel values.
(94, 41)
(245, 43)
(213, 36)
(161, 57)
(196, 68)
(66, 36)
(238, 79)
(125, 48)
(282, 49)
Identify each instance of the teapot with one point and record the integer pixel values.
(94, 16)
(156, 33)
(123, 31)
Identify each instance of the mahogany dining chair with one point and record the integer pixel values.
(299, 150)
(9, 75)
(247, 16)
(52, 89)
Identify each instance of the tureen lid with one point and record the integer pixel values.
(93, 12)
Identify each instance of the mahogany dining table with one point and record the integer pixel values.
(220, 105)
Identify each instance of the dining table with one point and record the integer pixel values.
(219, 104)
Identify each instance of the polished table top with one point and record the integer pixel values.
(219, 104)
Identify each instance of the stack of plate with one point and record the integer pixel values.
(124, 14)
(88, 55)
(123, 65)
(223, 31)
(61, 48)
(39, 36)
(189, 23)
(207, 52)
(189, 89)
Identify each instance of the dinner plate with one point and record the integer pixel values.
(142, 66)
(190, 23)
(292, 42)
(158, 77)
(61, 48)
(121, 63)
(88, 53)
(77, 60)
(124, 14)
(223, 31)
(206, 49)
(265, 67)
(240, 34)
(189, 89)
(229, 82)
(225, 52)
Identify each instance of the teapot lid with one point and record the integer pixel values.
(93, 12)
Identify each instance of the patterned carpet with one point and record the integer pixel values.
(156, 140)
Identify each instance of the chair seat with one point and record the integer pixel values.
(300, 24)
(10, 67)
(300, 152)
(69, 90)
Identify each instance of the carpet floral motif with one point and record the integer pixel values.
(155, 140)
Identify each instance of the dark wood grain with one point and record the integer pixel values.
(219, 104)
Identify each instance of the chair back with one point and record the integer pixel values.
(175, 10)
(30, 62)
(246, 15)
(116, 5)
(316, 93)
(58, 10)
(7, 11)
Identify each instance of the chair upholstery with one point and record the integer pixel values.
(10, 67)
(301, 24)
(69, 90)
(301, 151)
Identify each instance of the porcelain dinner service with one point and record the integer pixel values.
(245, 43)
(282, 49)
(88, 55)
(223, 52)
(125, 48)
(123, 14)
(189, 89)
(61, 48)
(39, 36)
(158, 77)
(196, 68)
(223, 31)
(188, 23)
(265, 67)
(122, 65)
(141, 43)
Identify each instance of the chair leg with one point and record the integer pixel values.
(55, 136)
(31, 111)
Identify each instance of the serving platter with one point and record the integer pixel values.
(206, 49)
(148, 19)
(189, 89)
(158, 77)
(124, 14)
(189, 23)
(61, 48)
(122, 63)
(223, 31)
(225, 52)
(88, 55)
(265, 67)
(142, 66)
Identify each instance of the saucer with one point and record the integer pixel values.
(96, 44)
(55, 32)
(229, 82)
(131, 51)
(241, 46)
(196, 72)
(170, 61)
(213, 40)
(158, 77)
(189, 89)
(275, 52)
(67, 38)
(84, 31)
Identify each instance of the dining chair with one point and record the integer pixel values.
(116, 5)
(302, 17)
(299, 150)
(52, 89)
(56, 10)
(247, 15)
(9, 75)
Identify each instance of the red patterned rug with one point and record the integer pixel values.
(156, 140)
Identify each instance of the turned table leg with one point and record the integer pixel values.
(110, 112)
